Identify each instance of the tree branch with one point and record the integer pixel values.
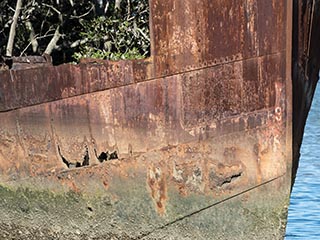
(78, 42)
(71, 3)
(83, 15)
(143, 34)
(128, 8)
(33, 39)
(56, 10)
(13, 28)
(106, 7)
(36, 38)
(117, 5)
(53, 42)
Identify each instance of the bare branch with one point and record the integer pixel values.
(78, 42)
(44, 20)
(10, 8)
(36, 38)
(51, 28)
(32, 36)
(53, 42)
(83, 15)
(13, 28)
(117, 5)
(25, 49)
(56, 10)
(128, 8)
(143, 34)
(106, 7)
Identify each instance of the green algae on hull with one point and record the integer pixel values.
(37, 215)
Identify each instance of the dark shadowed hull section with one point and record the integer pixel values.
(200, 132)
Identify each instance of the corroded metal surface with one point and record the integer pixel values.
(200, 128)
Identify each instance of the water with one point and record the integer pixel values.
(304, 210)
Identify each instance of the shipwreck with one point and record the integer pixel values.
(199, 141)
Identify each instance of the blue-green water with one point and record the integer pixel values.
(304, 210)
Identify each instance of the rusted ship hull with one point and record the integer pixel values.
(203, 131)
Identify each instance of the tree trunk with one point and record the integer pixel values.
(13, 28)
(53, 42)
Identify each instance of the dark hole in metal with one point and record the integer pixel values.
(76, 164)
(105, 156)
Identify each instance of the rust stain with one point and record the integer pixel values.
(156, 181)
(204, 116)
(106, 184)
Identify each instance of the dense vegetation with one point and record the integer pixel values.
(71, 29)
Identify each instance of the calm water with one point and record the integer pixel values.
(304, 210)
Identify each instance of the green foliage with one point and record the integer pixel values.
(88, 28)
(121, 35)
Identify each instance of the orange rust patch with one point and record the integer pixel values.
(73, 187)
(105, 184)
(158, 187)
